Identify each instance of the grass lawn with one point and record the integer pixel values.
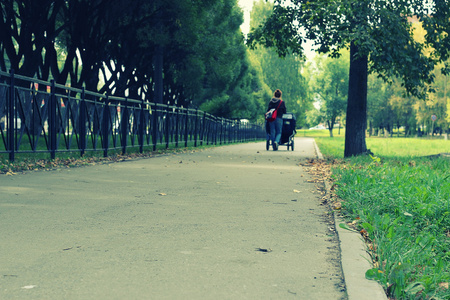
(400, 201)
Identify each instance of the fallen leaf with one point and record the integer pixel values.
(29, 287)
(162, 194)
(444, 285)
(364, 233)
(337, 206)
(297, 191)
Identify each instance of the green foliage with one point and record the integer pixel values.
(410, 147)
(330, 87)
(331, 147)
(403, 203)
(379, 113)
(76, 41)
(390, 108)
(378, 29)
(380, 37)
(313, 117)
(405, 209)
(438, 29)
(386, 148)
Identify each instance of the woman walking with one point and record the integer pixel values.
(276, 104)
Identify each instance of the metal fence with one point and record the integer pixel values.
(38, 116)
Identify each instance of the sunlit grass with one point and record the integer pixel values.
(320, 133)
(407, 147)
(386, 147)
(401, 198)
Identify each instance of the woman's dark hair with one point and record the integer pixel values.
(277, 94)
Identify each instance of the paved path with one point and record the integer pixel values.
(185, 226)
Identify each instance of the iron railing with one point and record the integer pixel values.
(39, 116)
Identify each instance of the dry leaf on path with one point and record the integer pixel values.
(264, 250)
(27, 287)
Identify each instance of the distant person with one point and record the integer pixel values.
(276, 125)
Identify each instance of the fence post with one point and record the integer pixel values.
(196, 128)
(216, 125)
(82, 122)
(177, 125)
(230, 132)
(141, 127)
(105, 127)
(52, 120)
(221, 131)
(186, 126)
(155, 127)
(124, 127)
(218, 131)
(203, 130)
(167, 125)
(11, 124)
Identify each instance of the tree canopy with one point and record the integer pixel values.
(204, 58)
(329, 84)
(380, 37)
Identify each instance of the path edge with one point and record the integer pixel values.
(355, 260)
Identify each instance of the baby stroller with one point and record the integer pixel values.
(287, 132)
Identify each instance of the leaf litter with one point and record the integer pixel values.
(26, 165)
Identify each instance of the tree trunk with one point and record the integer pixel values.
(330, 124)
(355, 134)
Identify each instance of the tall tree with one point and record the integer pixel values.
(403, 108)
(330, 87)
(26, 29)
(176, 28)
(379, 30)
(440, 101)
(380, 115)
(199, 43)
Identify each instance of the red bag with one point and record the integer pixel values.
(271, 115)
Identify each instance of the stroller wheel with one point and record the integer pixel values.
(292, 145)
(267, 144)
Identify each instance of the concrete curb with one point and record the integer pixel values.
(355, 261)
